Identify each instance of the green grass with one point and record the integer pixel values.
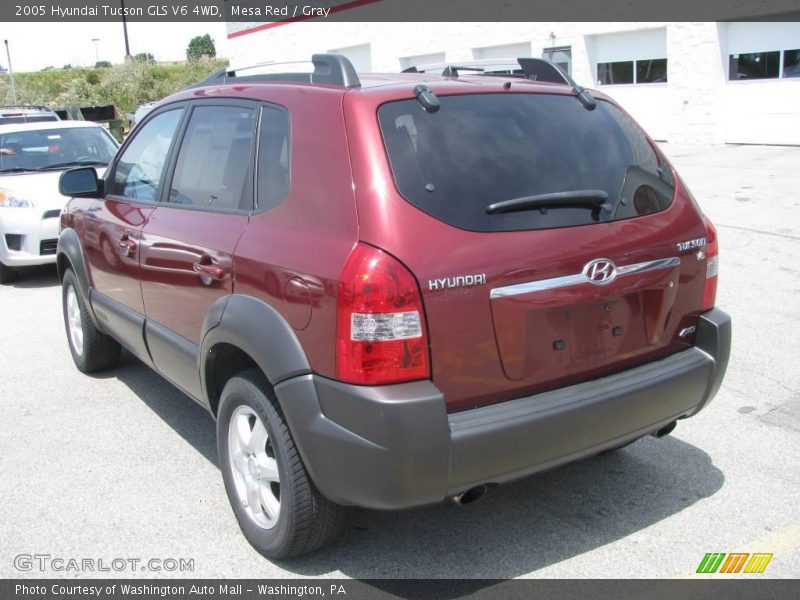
(126, 86)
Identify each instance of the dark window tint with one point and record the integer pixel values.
(273, 158)
(651, 71)
(138, 171)
(791, 63)
(215, 160)
(479, 149)
(615, 72)
(755, 65)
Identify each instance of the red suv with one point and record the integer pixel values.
(391, 290)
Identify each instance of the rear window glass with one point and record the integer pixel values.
(481, 149)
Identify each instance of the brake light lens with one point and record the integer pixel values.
(712, 267)
(381, 333)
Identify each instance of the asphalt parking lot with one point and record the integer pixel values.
(122, 465)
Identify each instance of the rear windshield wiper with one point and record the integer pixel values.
(588, 198)
(74, 163)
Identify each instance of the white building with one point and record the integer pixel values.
(684, 82)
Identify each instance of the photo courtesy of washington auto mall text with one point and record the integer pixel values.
(399, 299)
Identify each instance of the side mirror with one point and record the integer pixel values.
(81, 183)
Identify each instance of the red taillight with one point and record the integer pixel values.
(712, 267)
(380, 323)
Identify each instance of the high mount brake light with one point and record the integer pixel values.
(380, 325)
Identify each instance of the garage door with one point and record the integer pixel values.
(762, 93)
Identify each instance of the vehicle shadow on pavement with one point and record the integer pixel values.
(41, 276)
(519, 528)
(515, 529)
(189, 420)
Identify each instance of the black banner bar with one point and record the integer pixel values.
(742, 588)
(286, 11)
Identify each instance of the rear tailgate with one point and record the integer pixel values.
(541, 297)
(535, 325)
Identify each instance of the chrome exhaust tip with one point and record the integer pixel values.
(665, 430)
(470, 495)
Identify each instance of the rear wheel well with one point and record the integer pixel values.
(224, 361)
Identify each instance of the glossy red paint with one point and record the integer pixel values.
(485, 351)
(342, 192)
(309, 236)
(111, 241)
(186, 264)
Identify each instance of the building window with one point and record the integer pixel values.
(651, 71)
(615, 73)
(791, 63)
(754, 65)
(632, 71)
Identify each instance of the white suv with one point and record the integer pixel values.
(32, 158)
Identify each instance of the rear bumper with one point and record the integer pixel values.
(395, 446)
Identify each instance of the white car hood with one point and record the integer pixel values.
(40, 188)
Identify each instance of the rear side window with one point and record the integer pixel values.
(481, 149)
(273, 158)
(215, 162)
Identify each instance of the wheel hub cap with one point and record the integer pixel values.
(254, 468)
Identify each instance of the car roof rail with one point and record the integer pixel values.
(329, 69)
(452, 70)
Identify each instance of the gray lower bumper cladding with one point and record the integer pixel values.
(395, 446)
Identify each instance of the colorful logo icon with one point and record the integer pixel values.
(736, 562)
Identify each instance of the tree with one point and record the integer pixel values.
(144, 57)
(102, 64)
(200, 46)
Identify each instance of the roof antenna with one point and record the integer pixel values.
(426, 97)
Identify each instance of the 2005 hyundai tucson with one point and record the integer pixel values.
(396, 289)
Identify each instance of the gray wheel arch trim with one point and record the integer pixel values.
(257, 329)
(69, 245)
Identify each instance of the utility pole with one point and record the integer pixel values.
(96, 54)
(125, 31)
(11, 74)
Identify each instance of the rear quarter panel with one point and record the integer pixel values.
(292, 255)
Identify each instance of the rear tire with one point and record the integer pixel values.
(91, 349)
(279, 510)
(7, 274)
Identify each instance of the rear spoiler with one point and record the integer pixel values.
(534, 69)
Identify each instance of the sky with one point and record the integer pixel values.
(35, 46)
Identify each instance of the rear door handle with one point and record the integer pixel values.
(209, 272)
(127, 245)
